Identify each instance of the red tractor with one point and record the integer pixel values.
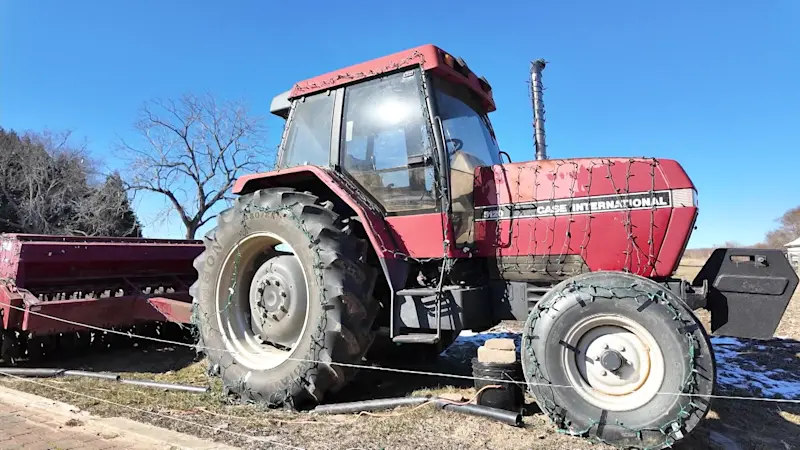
(391, 218)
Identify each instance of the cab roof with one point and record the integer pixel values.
(429, 57)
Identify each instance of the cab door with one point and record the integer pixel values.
(386, 147)
(470, 143)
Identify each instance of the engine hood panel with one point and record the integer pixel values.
(633, 214)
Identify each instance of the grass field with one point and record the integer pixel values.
(731, 424)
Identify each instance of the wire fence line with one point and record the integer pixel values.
(391, 369)
(157, 414)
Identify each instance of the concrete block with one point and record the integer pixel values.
(500, 344)
(492, 355)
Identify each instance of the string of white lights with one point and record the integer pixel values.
(391, 369)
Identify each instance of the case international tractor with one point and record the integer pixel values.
(394, 217)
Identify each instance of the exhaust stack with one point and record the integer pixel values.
(538, 108)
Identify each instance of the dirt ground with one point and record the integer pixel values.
(732, 424)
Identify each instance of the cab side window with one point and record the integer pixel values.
(308, 141)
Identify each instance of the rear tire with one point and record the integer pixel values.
(606, 353)
(321, 314)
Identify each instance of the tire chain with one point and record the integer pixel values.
(301, 376)
(239, 389)
(671, 429)
(546, 245)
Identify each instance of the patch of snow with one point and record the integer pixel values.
(477, 339)
(465, 347)
(737, 367)
(737, 370)
(725, 340)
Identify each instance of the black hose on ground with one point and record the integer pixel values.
(32, 372)
(166, 386)
(369, 405)
(83, 373)
(49, 373)
(501, 415)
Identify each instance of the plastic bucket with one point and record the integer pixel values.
(509, 395)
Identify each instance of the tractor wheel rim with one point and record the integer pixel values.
(262, 301)
(613, 362)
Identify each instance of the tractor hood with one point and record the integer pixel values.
(611, 213)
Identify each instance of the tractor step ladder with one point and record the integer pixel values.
(416, 338)
(422, 338)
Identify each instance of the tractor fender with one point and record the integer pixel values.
(315, 178)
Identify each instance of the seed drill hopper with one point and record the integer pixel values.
(110, 283)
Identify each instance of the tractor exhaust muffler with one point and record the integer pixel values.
(538, 108)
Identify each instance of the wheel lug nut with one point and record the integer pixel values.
(597, 358)
(622, 349)
(605, 347)
(603, 373)
(283, 309)
(283, 294)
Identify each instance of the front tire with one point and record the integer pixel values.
(283, 298)
(617, 358)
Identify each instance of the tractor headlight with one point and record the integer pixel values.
(684, 198)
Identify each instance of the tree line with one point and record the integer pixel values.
(50, 187)
(788, 229)
(188, 152)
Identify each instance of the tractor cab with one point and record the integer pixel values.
(410, 129)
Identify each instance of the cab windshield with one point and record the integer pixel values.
(467, 130)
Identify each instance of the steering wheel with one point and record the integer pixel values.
(458, 144)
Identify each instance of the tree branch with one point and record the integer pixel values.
(192, 145)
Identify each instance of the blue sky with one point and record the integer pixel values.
(712, 85)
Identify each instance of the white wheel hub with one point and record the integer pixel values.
(613, 362)
(261, 313)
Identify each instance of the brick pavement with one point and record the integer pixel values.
(30, 422)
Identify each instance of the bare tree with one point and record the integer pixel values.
(31, 185)
(191, 151)
(787, 231)
(92, 214)
(48, 186)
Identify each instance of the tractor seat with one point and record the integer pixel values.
(462, 175)
(462, 181)
(362, 170)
